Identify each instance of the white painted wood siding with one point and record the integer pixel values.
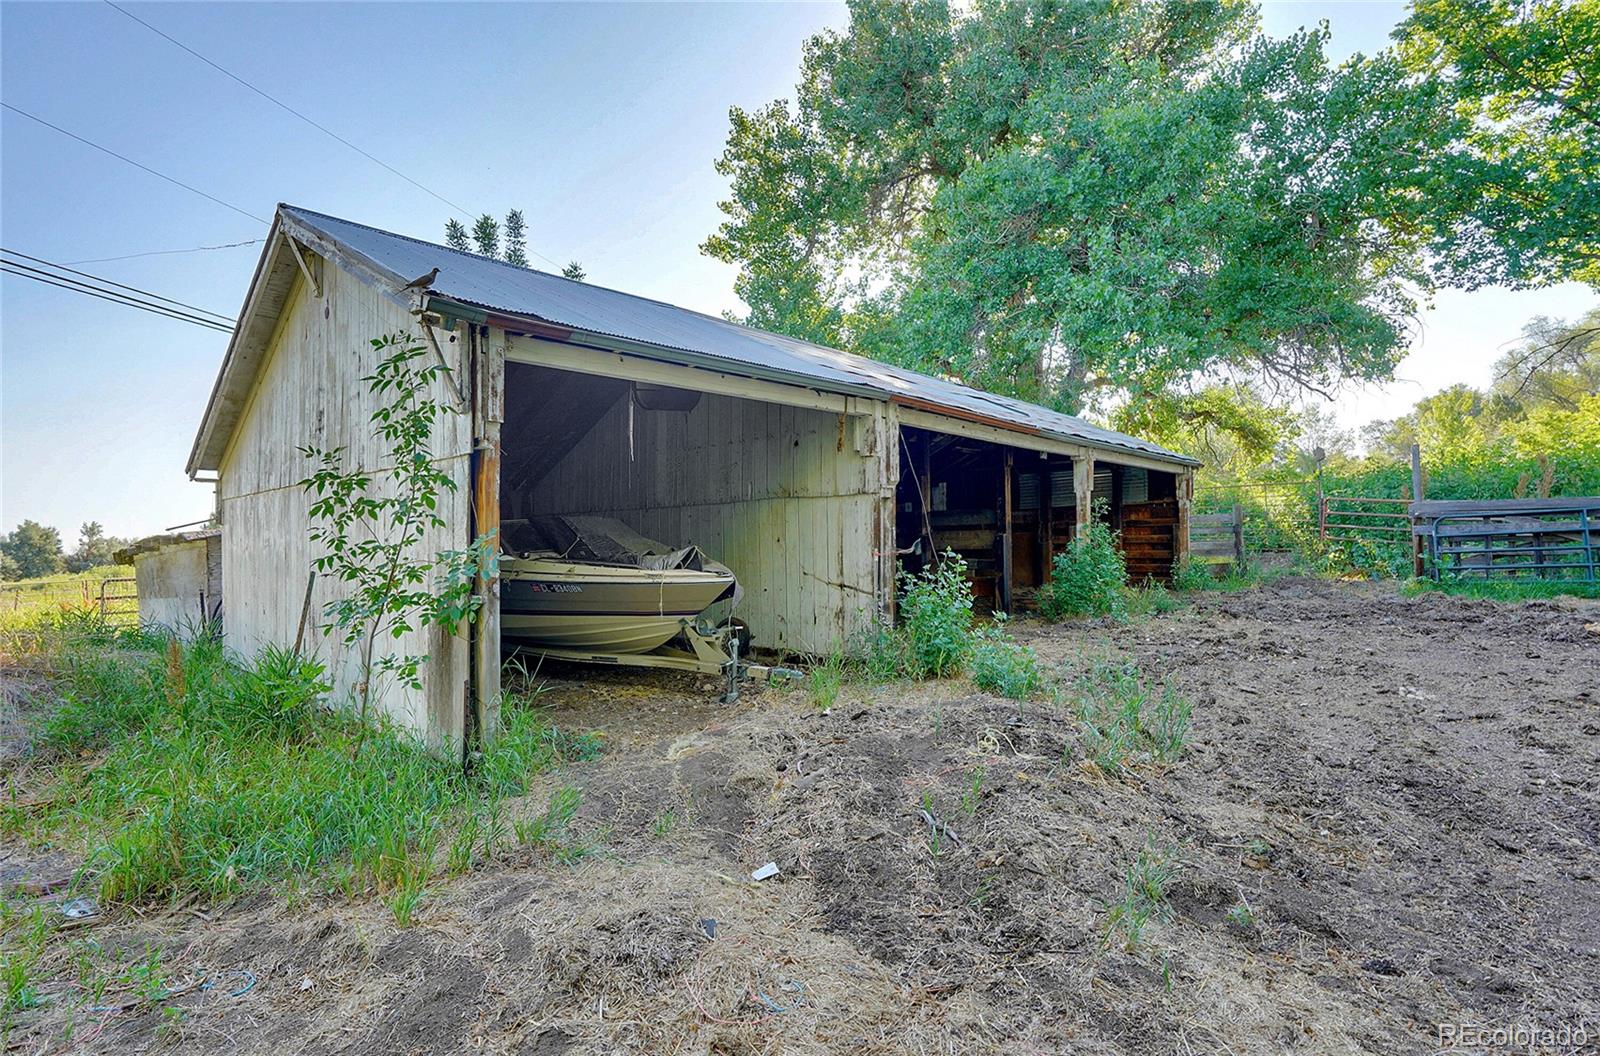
(310, 392)
(790, 498)
(172, 587)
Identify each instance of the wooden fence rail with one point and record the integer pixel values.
(1217, 537)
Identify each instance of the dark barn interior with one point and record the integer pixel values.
(1010, 510)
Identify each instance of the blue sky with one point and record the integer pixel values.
(601, 122)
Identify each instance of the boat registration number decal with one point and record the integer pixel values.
(555, 588)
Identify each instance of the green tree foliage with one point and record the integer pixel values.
(486, 236)
(1065, 200)
(9, 569)
(95, 548)
(508, 243)
(1519, 200)
(1074, 202)
(1226, 426)
(1556, 365)
(34, 549)
(516, 231)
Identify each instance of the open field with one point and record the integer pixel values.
(1386, 816)
(23, 599)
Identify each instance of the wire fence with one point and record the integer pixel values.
(113, 598)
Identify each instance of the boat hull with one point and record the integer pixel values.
(601, 608)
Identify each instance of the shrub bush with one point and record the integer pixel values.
(1087, 579)
(936, 616)
(1189, 574)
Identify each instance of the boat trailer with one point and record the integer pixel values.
(710, 652)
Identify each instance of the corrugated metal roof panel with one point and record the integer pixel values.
(524, 292)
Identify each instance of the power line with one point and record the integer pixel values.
(462, 211)
(108, 282)
(274, 100)
(79, 286)
(168, 252)
(116, 298)
(135, 164)
(107, 290)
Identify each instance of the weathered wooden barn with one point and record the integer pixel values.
(805, 469)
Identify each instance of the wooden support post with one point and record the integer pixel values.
(1416, 496)
(1180, 531)
(1005, 538)
(1116, 498)
(489, 385)
(925, 484)
(305, 613)
(1083, 491)
(1047, 521)
(886, 438)
(1238, 535)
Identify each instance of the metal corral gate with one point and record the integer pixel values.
(1539, 538)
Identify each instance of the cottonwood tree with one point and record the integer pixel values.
(486, 236)
(371, 533)
(1082, 203)
(1517, 199)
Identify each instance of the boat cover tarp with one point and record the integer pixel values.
(599, 540)
(607, 541)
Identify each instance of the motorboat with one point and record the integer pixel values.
(594, 585)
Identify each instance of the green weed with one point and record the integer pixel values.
(936, 614)
(1123, 720)
(1001, 665)
(213, 775)
(24, 933)
(972, 795)
(1150, 600)
(827, 679)
(1511, 590)
(1144, 898)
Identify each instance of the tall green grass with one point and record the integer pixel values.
(176, 768)
(1505, 589)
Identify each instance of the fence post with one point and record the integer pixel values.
(1322, 519)
(1411, 522)
(1238, 535)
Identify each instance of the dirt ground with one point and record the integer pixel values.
(1404, 793)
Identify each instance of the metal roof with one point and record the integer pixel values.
(491, 285)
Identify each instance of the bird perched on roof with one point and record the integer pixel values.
(421, 282)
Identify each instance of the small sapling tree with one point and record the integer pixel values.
(370, 536)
